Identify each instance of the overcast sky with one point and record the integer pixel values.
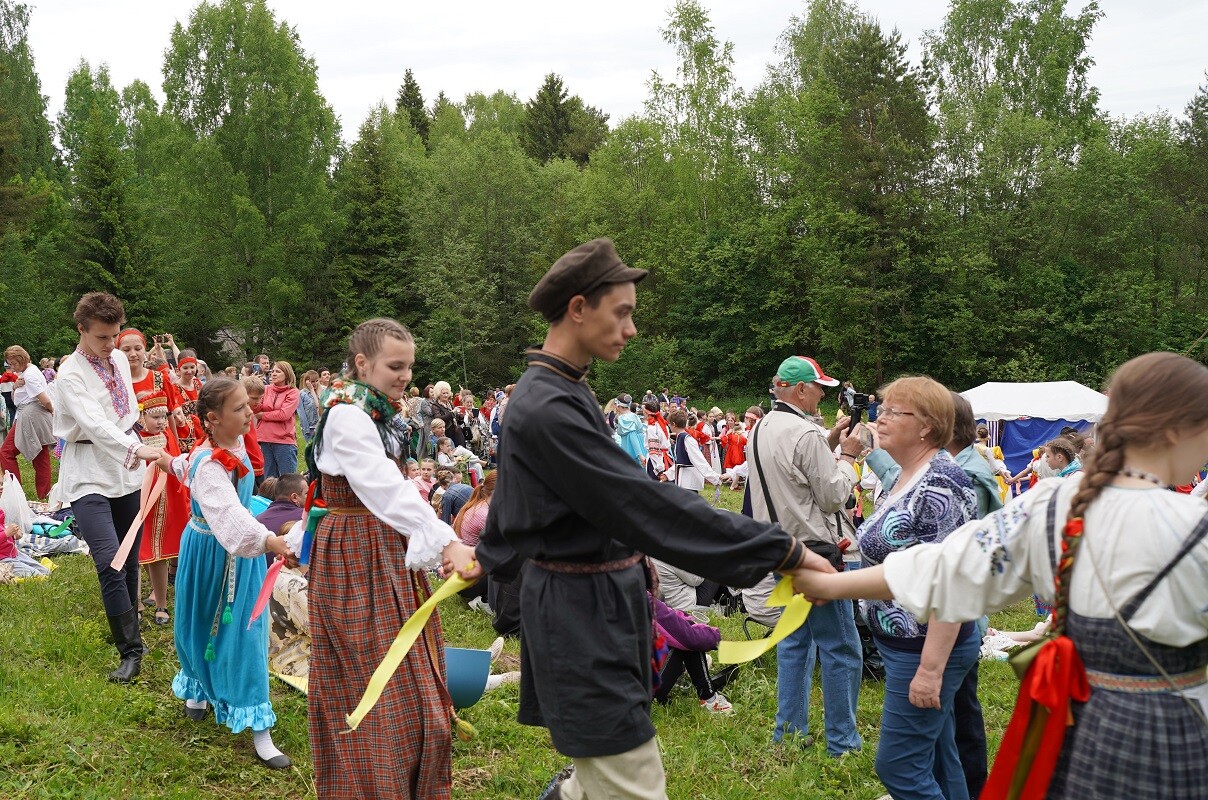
(1149, 54)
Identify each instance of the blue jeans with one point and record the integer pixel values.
(279, 459)
(832, 628)
(917, 757)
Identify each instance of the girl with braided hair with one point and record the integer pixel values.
(367, 577)
(223, 654)
(1131, 597)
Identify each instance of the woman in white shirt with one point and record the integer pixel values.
(30, 434)
(101, 471)
(367, 577)
(1137, 594)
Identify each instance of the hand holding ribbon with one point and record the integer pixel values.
(796, 609)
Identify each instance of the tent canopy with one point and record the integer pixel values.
(1053, 400)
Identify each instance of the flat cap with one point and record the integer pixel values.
(582, 270)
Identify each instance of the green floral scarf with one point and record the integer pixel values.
(380, 408)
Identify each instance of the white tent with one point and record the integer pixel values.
(1055, 400)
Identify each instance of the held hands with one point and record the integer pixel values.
(925, 689)
(811, 578)
(276, 545)
(150, 454)
(459, 558)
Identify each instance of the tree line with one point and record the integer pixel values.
(976, 217)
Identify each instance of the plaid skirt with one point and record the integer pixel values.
(361, 593)
(1126, 745)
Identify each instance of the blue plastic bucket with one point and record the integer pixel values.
(468, 671)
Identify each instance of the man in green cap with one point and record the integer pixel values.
(796, 480)
(573, 514)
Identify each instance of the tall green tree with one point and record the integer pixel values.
(375, 185)
(21, 93)
(249, 217)
(410, 105)
(547, 121)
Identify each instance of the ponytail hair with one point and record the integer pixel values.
(1140, 414)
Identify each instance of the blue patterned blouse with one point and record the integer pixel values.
(939, 502)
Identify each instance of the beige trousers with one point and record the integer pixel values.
(634, 775)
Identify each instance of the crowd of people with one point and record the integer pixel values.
(603, 545)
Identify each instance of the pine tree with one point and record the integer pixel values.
(410, 104)
(547, 123)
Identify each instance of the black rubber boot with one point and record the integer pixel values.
(129, 646)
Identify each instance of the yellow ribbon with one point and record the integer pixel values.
(796, 609)
(401, 646)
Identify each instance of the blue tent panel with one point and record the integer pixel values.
(1021, 436)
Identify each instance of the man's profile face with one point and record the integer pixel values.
(608, 327)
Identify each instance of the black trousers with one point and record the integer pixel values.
(102, 522)
(971, 734)
(678, 661)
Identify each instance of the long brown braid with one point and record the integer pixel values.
(1144, 406)
(1149, 397)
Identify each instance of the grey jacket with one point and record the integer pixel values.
(807, 485)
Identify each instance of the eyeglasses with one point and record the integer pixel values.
(890, 413)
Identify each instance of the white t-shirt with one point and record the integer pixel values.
(35, 384)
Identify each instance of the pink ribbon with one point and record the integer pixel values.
(266, 589)
(154, 481)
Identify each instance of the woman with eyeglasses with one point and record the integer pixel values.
(925, 662)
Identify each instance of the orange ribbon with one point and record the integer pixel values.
(1032, 744)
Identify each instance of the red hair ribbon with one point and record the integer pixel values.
(186, 360)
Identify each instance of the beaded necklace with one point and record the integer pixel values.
(1133, 472)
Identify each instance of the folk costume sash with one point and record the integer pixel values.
(1055, 677)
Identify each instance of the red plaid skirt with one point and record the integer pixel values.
(361, 593)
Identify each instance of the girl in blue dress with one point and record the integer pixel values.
(223, 661)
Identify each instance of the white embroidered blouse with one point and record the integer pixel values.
(352, 448)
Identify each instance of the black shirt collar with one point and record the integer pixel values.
(536, 357)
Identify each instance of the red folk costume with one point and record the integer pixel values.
(188, 396)
(190, 434)
(167, 519)
(736, 449)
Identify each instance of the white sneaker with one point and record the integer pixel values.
(478, 605)
(496, 649)
(717, 704)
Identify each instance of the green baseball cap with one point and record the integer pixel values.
(802, 369)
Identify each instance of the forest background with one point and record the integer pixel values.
(976, 217)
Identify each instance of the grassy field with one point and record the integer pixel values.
(67, 733)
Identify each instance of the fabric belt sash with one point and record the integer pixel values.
(89, 441)
(351, 511)
(573, 568)
(1146, 684)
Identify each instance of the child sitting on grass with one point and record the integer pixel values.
(688, 642)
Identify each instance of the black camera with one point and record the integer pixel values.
(859, 405)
